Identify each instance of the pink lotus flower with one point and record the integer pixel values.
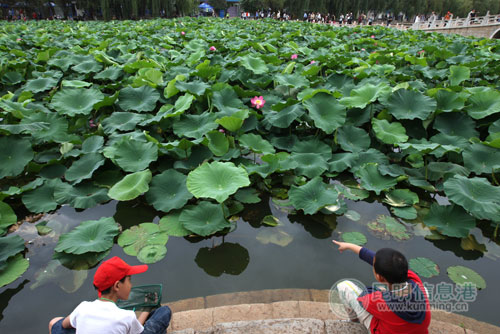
(363, 49)
(213, 48)
(19, 39)
(258, 102)
(92, 124)
(183, 33)
(313, 62)
(221, 130)
(372, 36)
(294, 56)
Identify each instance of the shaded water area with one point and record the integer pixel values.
(296, 254)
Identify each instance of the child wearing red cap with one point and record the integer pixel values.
(112, 281)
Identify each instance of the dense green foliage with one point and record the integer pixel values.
(161, 112)
(125, 9)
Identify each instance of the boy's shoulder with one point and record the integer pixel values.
(99, 308)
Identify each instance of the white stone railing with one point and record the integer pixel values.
(433, 23)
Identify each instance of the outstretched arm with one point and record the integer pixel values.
(364, 253)
(66, 323)
(347, 246)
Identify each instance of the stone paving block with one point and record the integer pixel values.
(439, 327)
(273, 326)
(237, 298)
(319, 295)
(316, 310)
(469, 323)
(187, 304)
(340, 327)
(290, 294)
(286, 309)
(196, 319)
(244, 312)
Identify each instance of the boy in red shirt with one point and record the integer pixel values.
(399, 305)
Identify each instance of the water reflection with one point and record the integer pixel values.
(8, 294)
(226, 258)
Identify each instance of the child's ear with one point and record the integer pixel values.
(116, 285)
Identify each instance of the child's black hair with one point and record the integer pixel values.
(392, 265)
(108, 290)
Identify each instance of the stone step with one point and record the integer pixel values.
(205, 314)
(294, 316)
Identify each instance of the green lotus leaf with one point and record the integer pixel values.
(227, 101)
(76, 101)
(84, 261)
(362, 96)
(247, 196)
(92, 144)
(389, 133)
(352, 215)
(217, 180)
(409, 104)
(254, 64)
(228, 258)
(423, 146)
(139, 99)
(122, 121)
(309, 164)
(76, 84)
(197, 88)
(62, 63)
(89, 66)
(89, 236)
(476, 195)
(270, 220)
(235, 122)
(82, 196)
(168, 191)
(448, 101)
(450, 220)
(274, 236)
(173, 226)
(466, 276)
(131, 186)
(7, 217)
(40, 84)
(371, 179)
(401, 198)
(292, 80)
(15, 153)
(353, 139)
(132, 155)
(424, 267)
(458, 74)
(9, 246)
(32, 128)
(12, 78)
(57, 131)
(356, 238)
(42, 199)
(137, 237)
(182, 104)
(84, 167)
(456, 124)
(112, 73)
(16, 266)
(284, 118)
(481, 159)
(326, 112)
(203, 219)
(341, 161)
(152, 253)
(256, 143)
(470, 243)
(312, 196)
(217, 143)
(312, 145)
(387, 227)
(280, 161)
(195, 126)
(445, 170)
(483, 104)
(408, 212)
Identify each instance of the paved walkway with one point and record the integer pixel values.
(287, 311)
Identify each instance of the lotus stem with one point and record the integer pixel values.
(223, 212)
(495, 233)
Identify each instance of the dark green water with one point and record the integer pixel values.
(240, 262)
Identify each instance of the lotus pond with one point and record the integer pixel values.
(243, 148)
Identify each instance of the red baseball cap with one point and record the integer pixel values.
(113, 270)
